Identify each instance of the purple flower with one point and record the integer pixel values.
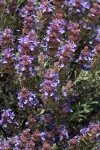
(54, 34)
(45, 6)
(28, 9)
(84, 131)
(26, 99)
(43, 136)
(74, 141)
(85, 58)
(24, 65)
(63, 133)
(66, 53)
(46, 118)
(7, 38)
(65, 109)
(28, 43)
(8, 56)
(49, 86)
(7, 50)
(7, 117)
(79, 5)
(4, 144)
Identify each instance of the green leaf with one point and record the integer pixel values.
(83, 76)
(11, 96)
(54, 147)
(20, 2)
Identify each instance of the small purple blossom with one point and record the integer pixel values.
(46, 118)
(66, 53)
(45, 6)
(28, 9)
(7, 117)
(24, 65)
(85, 58)
(63, 133)
(28, 43)
(7, 38)
(54, 34)
(26, 99)
(65, 109)
(84, 131)
(49, 86)
(8, 56)
(79, 5)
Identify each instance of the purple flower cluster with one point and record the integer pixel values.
(49, 75)
(28, 43)
(65, 53)
(85, 58)
(63, 133)
(65, 109)
(92, 129)
(94, 12)
(46, 10)
(24, 66)
(27, 13)
(49, 86)
(7, 46)
(27, 47)
(54, 34)
(73, 143)
(78, 5)
(7, 38)
(26, 99)
(67, 89)
(74, 32)
(7, 120)
(89, 134)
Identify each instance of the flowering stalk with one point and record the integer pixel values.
(46, 10)
(7, 46)
(54, 34)
(26, 99)
(49, 86)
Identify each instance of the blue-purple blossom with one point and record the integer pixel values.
(79, 5)
(57, 26)
(66, 53)
(24, 65)
(63, 133)
(8, 56)
(54, 34)
(74, 141)
(28, 9)
(85, 58)
(49, 86)
(84, 131)
(28, 14)
(7, 117)
(28, 43)
(7, 49)
(26, 99)
(46, 118)
(7, 38)
(45, 6)
(4, 144)
(94, 12)
(65, 109)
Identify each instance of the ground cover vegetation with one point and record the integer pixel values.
(49, 74)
